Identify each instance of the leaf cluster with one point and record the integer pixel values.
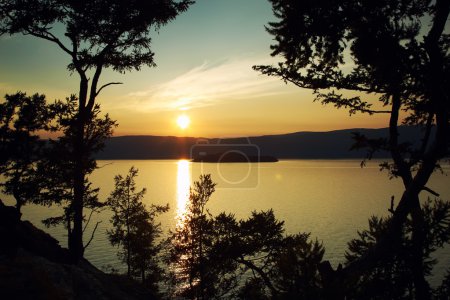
(112, 34)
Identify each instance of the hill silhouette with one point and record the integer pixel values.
(299, 145)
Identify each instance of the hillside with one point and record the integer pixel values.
(34, 266)
(301, 145)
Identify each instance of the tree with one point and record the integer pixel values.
(22, 118)
(195, 274)
(397, 50)
(97, 35)
(392, 277)
(210, 256)
(55, 171)
(296, 267)
(280, 266)
(40, 171)
(135, 230)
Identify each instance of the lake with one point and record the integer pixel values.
(331, 199)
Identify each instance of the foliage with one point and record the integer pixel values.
(113, 34)
(56, 168)
(443, 290)
(297, 267)
(329, 48)
(396, 50)
(22, 118)
(95, 35)
(134, 229)
(221, 257)
(392, 278)
(194, 273)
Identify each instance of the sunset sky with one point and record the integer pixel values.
(204, 61)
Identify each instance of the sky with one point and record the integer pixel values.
(204, 71)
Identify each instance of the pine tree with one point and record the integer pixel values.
(134, 229)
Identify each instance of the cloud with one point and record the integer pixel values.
(208, 84)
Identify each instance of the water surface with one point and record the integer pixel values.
(331, 199)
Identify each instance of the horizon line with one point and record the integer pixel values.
(250, 136)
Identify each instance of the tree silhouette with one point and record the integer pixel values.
(195, 274)
(134, 229)
(392, 277)
(96, 35)
(397, 50)
(218, 256)
(55, 171)
(22, 118)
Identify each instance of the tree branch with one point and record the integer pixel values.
(92, 235)
(261, 273)
(442, 10)
(426, 137)
(89, 220)
(403, 170)
(286, 77)
(50, 37)
(93, 93)
(105, 85)
(430, 191)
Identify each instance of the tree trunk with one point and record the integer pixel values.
(128, 253)
(128, 232)
(404, 171)
(79, 152)
(76, 247)
(201, 266)
(422, 288)
(19, 201)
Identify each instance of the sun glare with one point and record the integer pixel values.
(183, 121)
(183, 183)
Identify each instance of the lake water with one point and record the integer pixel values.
(331, 199)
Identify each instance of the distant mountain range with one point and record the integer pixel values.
(303, 145)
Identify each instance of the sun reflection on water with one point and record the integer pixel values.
(183, 184)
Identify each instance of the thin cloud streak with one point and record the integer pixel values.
(206, 85)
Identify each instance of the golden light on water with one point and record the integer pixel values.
(183, 184)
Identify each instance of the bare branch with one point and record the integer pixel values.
(105, 85)
(107, 164)
(370, 111)
(430, 191)
(391, 209)
(92, 235)
(93, 210)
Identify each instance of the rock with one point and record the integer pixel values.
(34, 266)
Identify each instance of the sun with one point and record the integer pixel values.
(183, 121)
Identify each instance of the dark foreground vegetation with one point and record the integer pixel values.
(342, 50)
(207, 256)
(34, 266)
